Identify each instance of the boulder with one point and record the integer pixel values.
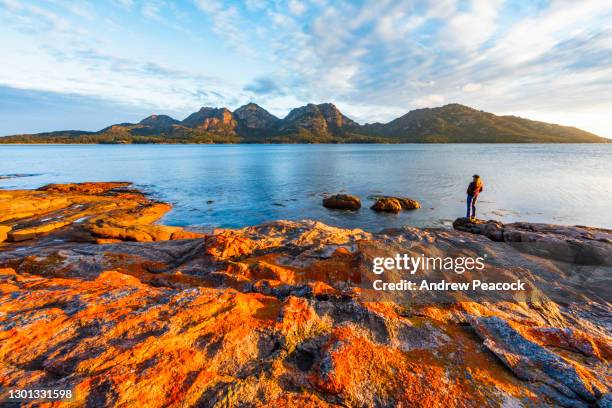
(391, 203)
(408, 203)
(387, 205)
(342, 201)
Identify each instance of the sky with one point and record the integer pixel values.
(84, 65)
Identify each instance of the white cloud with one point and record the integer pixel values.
(93, 73)
(471, 87)
(533, 36)
(467, 31)
(30, 17)
(10, 4)
(386, 26)
(152, 8)
(296, 7)
(428, 101)
(228, 23)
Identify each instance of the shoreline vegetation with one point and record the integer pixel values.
(323, 123)
(100, 299)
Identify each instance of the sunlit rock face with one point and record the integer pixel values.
(94, 212)
(96, 297)
(219, 120)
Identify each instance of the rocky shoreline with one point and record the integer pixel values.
(96, 297)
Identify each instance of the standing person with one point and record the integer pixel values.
(475, 188)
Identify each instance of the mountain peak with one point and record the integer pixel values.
(216, 120)
(250, 105)
(327, 105)
(457, 107)
(253, 118)
(158, 121)
(323, 118)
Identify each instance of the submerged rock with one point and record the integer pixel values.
(342, 201)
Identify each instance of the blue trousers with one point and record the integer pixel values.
(471, 206)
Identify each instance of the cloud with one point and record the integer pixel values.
(32, 18)
(413, 54)
(471, 87)
(264, 87)
(152, 8)
(227, 22)
(27, 111)
(59, 57)
(296, 7)
(428, 101)
(469, 30)
(255, 4)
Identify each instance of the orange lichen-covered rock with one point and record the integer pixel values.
(105, 210)
(84, 188)
(280, 314)
(16, 205)
(23, 234)
(4, 230)
(366, 373)
(228, 244)
(570, 339)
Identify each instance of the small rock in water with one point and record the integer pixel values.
(383, 203)
(342, 201)
(387, 205)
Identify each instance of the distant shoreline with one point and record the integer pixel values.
(305, 144)
(320, 124)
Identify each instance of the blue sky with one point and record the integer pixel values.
(84, 65)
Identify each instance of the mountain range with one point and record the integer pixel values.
(323, 123)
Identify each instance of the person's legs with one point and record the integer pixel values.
(474, 206)
(469, 204)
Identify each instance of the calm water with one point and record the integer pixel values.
(250, 184)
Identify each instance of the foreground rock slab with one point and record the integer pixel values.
(102, 212)
(278, 315)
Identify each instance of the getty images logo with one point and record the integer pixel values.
(412, 264)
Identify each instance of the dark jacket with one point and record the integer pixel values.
(473, 190)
